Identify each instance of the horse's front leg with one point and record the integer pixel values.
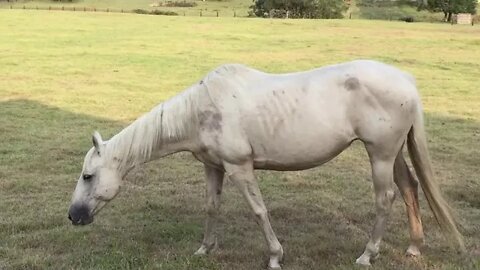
(214, 179)
(244, 179)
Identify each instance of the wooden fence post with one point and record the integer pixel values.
(200, 13)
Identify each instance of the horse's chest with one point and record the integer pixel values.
(208, 157)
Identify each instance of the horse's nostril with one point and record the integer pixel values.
(79, 215)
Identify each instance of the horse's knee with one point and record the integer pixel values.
(260, 213)
(390, 195)
(385, 200)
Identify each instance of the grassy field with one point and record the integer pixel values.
(63, 75)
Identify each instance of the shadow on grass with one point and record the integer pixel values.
(158, 223)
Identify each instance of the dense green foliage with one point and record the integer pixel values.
(450, 7)
(326, 9)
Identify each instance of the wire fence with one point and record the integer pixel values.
(201, 13)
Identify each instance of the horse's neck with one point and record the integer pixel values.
(169, 128)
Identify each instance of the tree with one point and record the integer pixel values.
(327, 9)
(450, 7)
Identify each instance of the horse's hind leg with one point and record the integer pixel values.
(214, 179)
(408, 187)
(382, 173)
(242, 176)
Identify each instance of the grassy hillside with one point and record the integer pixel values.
(63, 75)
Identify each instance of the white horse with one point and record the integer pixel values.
(238, 119)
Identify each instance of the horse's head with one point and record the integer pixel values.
(98, 184)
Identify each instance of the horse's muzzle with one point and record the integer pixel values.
(79, 215)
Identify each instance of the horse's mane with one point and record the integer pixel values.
(169, 121)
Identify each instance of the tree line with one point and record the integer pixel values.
(333, 9)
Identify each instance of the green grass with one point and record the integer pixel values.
(63, 75)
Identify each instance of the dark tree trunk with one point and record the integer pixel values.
(449, 19)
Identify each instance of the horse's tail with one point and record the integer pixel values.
(417, 148)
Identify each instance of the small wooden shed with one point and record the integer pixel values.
(464, 18)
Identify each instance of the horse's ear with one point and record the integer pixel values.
(97, 142)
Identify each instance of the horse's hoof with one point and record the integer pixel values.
(206, 249)
(413, 251)
(202, 251)
(363, 260)
(274, 264)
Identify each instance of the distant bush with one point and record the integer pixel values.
(179, 4)
(161, 12)
(407, 19)
(141, 11)
(155, 12)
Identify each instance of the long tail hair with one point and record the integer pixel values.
(417, 148)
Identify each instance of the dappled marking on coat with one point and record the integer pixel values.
(211, 121)
(352, 83)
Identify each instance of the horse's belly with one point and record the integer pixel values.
(296, 154)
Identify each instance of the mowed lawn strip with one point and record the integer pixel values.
(63, 75)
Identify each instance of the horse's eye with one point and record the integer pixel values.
(87, 177)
